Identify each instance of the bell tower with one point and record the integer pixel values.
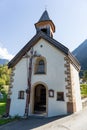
(45, 24)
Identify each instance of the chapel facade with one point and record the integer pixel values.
(44, 77)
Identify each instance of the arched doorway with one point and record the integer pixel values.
(40, 99)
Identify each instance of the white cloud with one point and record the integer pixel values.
(4, 54)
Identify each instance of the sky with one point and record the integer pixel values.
(17, 19)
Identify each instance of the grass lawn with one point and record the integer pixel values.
(3, 105)
(2, 108)
(4, 121)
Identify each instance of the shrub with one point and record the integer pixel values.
(83, 88)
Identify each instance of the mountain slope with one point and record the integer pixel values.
(3, 61)
(81, 54)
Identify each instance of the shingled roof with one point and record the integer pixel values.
(44, 17)
(51, 41)
(46, 20)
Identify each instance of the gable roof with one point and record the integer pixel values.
(51, 41)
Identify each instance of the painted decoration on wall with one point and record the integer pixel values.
(51, 93)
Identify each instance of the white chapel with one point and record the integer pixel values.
(44, 77)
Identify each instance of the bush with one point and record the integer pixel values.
(4, 76)
(83, 88)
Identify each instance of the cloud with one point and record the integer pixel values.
(4, 54)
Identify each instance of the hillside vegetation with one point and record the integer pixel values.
(4, 76)
(4, 83)
(83, 88)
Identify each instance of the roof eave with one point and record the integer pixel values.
(49, 21)
(21, 53)
(74, 61)
(33, 41)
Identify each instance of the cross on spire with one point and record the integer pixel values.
(45, 7)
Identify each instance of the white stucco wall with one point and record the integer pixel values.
(76, 87)
(54, 79)
(20, 83)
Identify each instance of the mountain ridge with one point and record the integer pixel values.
(3, 61)
(81, 54)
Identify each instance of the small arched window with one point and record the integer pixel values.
(40, 67)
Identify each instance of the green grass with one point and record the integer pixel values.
(3, 104)
(4, 121)
(7, 120)
(2, 108)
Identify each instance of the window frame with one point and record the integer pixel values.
(60, 96)
(21, 94)
(51, 93)
(38, 65)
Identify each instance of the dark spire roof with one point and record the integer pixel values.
(44, 17)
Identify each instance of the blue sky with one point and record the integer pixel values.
(17, 19)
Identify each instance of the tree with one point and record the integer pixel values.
(4, 76)
(2, 82)
(83, 88)
(85, 76)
